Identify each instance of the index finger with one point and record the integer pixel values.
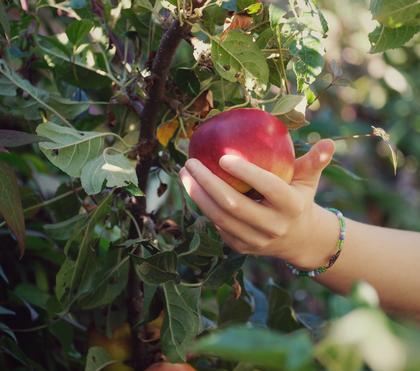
(273, 188)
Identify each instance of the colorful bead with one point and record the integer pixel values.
(333, 258)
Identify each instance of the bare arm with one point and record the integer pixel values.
(289, 225)
(388, 259)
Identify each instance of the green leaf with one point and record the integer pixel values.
(295, 117)
(181, 322)
(310, 96)
(286, 104)
(335, 170)
(4, 21)
(97, 359)
(264, 38)
(214, 15)
(159, 268)
(254, 8)
(8, 331)
(396, 13)
(224, 271)
(78, 4)
(7, 88)
(308, 52)
(63, 280)
(69, 149)
(62, 231)
(258, 346)
(51, 45)
(32, 294)
(113, 170)
(276, 16)
(107, 283)
(203, 244)
(64, 333)
(242, 5)
(72, 70)
(187, 80)
(41, 96)
(68, 108)
(383, 38)
(78, 30)
(11, 204)
(281, 316)
(14, 138)
(73, 274)
(7, 312)
(134, 190)
(234, 310)
(144, 4)
(323, 21)
(238, 58)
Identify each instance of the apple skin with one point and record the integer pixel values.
(250, 133)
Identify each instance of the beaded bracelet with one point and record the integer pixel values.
(333, 258)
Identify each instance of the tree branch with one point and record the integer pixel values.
(148, 119)
(146, 150)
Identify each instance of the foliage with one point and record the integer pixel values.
(100, 249)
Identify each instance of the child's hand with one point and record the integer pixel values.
(286, 224)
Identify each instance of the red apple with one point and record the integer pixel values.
(253, 134)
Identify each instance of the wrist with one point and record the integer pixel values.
(324, 230)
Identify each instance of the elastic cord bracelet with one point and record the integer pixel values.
(333, 258)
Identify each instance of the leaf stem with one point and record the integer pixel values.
(283, 71)
(48, 202)
(9, 74)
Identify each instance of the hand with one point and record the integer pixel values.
(286, 224)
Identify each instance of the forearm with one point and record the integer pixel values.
(386, 258)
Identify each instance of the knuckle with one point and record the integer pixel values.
(234, 205)
(270, 187)
(268, 191)
(298, 206)
(219, 220)
(281, 230)
(260, 245)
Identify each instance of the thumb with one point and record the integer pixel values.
(308, 168)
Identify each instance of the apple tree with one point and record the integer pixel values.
(105, 261)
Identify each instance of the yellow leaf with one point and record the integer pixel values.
(166, 131)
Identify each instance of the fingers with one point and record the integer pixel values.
(220, 217)
(231, 201)
(308, 168)
(272, 187)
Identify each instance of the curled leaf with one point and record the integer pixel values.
(381, 133)
(238, 21)
(166, 131)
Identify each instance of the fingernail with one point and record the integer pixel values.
(324, 149)
(226, 161)
(192, 164)
(185, 178)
